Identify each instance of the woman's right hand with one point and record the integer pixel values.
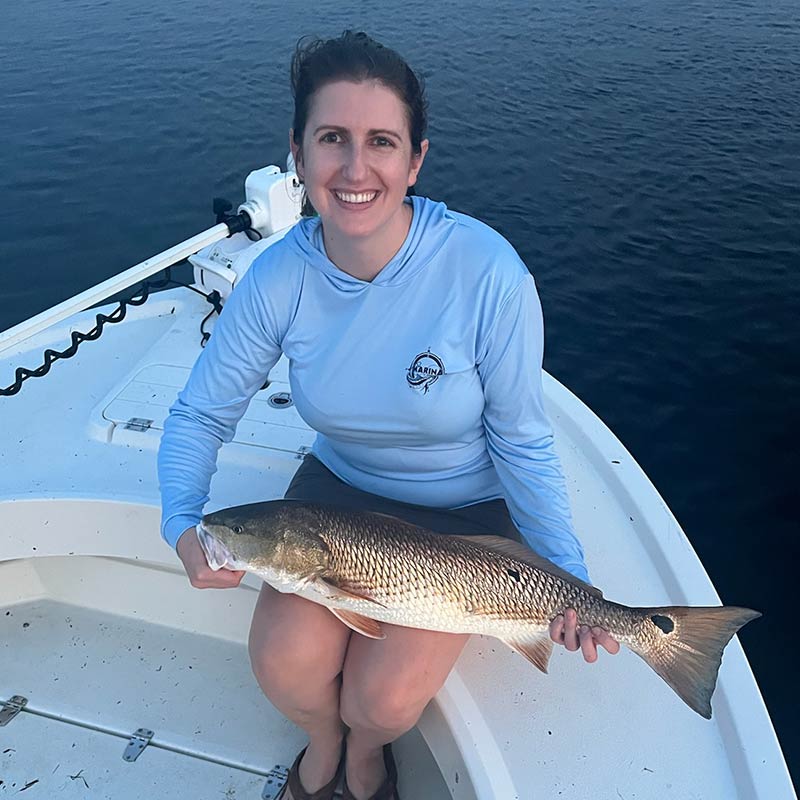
(201, 576)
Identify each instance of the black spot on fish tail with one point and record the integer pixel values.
(665, 623)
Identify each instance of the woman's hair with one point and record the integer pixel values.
(354, 57)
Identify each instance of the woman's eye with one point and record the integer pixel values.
(330, 137)
(382, 141)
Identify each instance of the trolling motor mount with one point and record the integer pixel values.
(237, 223)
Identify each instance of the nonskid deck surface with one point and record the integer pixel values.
(92, 677)
(45, 759)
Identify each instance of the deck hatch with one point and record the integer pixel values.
(142, 405)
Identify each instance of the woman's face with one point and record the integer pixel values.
(356, 159)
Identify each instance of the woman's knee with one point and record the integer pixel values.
(387, 684)
(377, 706)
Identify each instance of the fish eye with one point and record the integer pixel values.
(237, 529)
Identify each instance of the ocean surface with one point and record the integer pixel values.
(642, 156)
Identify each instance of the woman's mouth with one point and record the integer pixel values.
(355, 200)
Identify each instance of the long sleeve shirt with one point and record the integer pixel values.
(424, 384)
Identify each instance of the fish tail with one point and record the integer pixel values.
(684, 646)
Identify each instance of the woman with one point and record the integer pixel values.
(415, 343)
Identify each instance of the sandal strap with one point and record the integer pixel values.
(388, 789)
(297, 789)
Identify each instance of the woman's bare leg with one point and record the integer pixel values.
(297, 650)
(386, 685)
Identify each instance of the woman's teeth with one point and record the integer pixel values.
(363, 197)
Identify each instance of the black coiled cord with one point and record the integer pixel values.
(117, 315)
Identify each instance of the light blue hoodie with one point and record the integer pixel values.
(424, 384)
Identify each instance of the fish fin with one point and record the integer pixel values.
(336, 590)
(521, 552)
(359, 623)
(688, 651)
(536, 649)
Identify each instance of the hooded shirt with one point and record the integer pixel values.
(423, 385)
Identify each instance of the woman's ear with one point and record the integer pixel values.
(297, 154)
(416, 162)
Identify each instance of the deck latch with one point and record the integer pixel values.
(276, 778)
(140, 739)
(10, 708)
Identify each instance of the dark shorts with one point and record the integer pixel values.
(314, 482)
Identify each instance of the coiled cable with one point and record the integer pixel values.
(117, 315)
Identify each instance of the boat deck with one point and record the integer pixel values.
(117, 640)
(101, 648)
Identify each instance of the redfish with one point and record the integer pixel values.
(369, 568)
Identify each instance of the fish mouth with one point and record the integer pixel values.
(217, 555)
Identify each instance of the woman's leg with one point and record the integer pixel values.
(386, 685)
(297, 649)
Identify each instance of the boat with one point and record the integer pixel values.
(119, 680)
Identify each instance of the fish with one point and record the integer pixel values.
(368, 568)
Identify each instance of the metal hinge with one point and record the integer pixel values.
(9, 709)
(140, 739)
(276, 778)
(138, 424)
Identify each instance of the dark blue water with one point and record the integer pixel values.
(643, 158)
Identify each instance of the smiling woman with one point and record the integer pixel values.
(358, 148)
(414, 338)
(356, 160)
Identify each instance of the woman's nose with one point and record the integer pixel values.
(355, 166)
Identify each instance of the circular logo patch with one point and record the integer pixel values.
(424, 371)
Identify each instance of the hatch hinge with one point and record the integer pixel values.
(140, 739)
(138, 424)
(276, 778)
(10, 708)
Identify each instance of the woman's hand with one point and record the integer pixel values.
(564, 630)
(201, 576)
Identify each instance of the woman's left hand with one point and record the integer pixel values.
(564, 630)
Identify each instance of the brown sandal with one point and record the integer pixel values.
(388, 789)
(296, 788)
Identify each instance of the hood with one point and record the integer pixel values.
(431, 225)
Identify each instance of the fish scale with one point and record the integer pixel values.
(370, 568)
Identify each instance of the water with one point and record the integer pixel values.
(643, 158)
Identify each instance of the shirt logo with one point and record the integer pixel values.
(425, 369)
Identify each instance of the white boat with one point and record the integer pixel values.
(118, 680)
